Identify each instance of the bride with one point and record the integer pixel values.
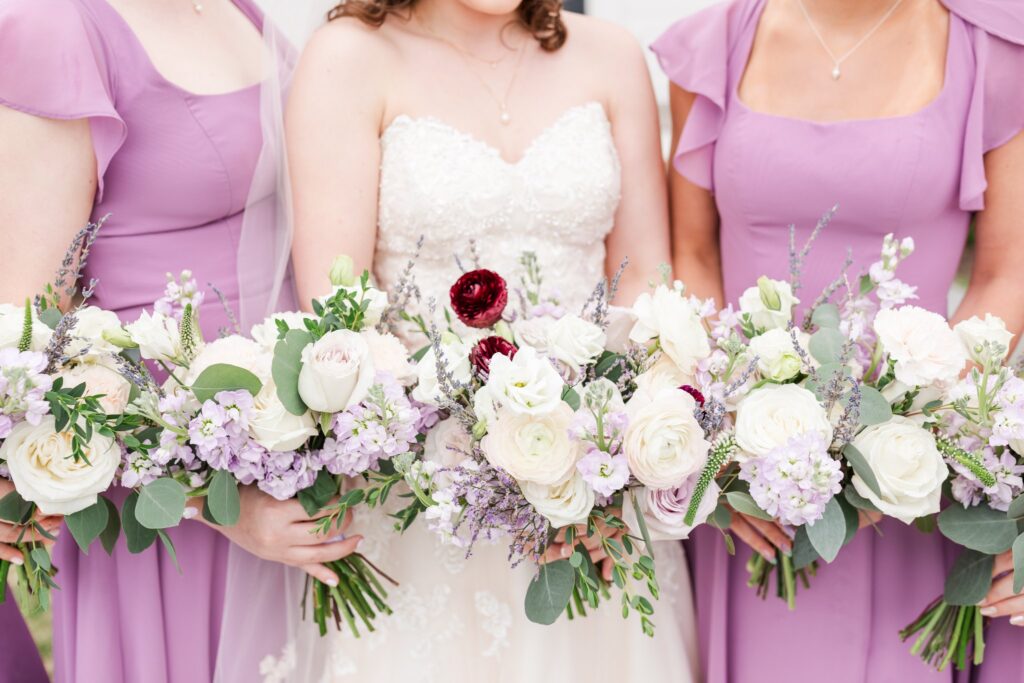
(524, 129)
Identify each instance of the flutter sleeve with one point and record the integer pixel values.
(52, 65)
(694, 53)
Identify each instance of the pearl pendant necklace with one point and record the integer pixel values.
(197, 6)
(837, 62)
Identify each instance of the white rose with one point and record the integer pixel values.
(157, 337)
(664, 374)
(533, 448)
(664, 443)
(769, 304)
(337, 372)
(908, 466)
(526, 384)
(447, 444)
(100, 379)
(664, 510)
(574, 341)
(233, 350)
(671, 318)
(456, 357)
(982, 337)
(265, 333)
(770, 416)
(777, 358)
(926, 351)
(563, 504)
(90, 325)
(533, 332)
(274, 427)
(12, 324)
(390, 355)
(45, 473)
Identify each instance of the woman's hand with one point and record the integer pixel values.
(1001, 601)
(765, 537)
(281, 531)
(558, 549)
(11, 533)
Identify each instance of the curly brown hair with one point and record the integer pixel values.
(542, 18)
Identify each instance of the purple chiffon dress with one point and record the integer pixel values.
(175, 170)
(919, 176)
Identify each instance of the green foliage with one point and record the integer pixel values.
(549, 593)
(137, 536)
(223, 377)
(222, 499)
(874, 407)
(978, 528)
(161, 504)
(969, 579)
(287, 365)
(861, 468)
(828, 534)
(87, 525)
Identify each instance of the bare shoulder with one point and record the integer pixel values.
(348, 45)
(601, 39)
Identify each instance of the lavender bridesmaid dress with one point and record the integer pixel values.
(921, 176)
(174, 171)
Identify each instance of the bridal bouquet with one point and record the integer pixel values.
(299, 407)
(557, 432)
(61, 418)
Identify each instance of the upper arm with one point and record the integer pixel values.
(332, 127)
(999, 247)
(641, 230)
(694, 214)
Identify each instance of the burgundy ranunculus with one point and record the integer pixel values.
(697, 396)
(479, 298)
(488, 348)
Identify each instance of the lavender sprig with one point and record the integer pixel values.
(796, 260)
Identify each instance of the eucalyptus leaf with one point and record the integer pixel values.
(137, 536)
(874, 408)
(222, 499)
(858, 501)
(826, 315)
(979, 528)
(15, 509)
(852, 516)
(223, 377)
(861, 468)
(110, 535)
(314, 498)
(721, 518)
(572, 398)
(744, 503)
(828, 533)
(550, 592)
(642, 523)
(1016, 509)
(970, 578)
(1018, 564)
(87, 525)
(51, 317)
(286, 367)
(827, 345)
(804, 554)
(169, 547)
(161, 504)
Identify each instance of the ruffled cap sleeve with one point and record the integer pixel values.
(53, 66)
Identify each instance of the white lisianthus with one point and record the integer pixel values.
(769, 304)
(232, 350)
(672, 319)
(88, 334)
(12, 324)
(563, 504)
(664, 510)
(45, 473)
(534, 448)
(922, 345)
(986, 341)
(908, 466)
(526, 384)
(664, 443)
(272, 426)
(456, 358)
(777, 358)
(770, 416)
(390, 355)
(574, 341)
(663, 374)
(265, 333)
(337, 372)
(100, 379)
(157, 337)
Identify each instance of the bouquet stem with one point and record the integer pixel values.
(761, 571)
(948, 633)
(5, 569)
(358, 598)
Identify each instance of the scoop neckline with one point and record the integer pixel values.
(253, 18)
(922, 111)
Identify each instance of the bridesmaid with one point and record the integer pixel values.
(908, 115)
(147, 111)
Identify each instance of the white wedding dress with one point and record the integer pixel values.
(458, 620)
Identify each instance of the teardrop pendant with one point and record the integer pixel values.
(836, 73)
(505, 118)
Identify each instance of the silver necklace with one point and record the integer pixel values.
(837, 62)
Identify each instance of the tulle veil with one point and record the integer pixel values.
(263, 636)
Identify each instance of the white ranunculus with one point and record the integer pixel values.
(265, 333)
(664, 511)
(908, 466)
(526, 384)
(390, 356)
(87, 336)
(233, 350)
(574, 341)
(670, 317)
(12, 324)
(273, 426)
(777, 358)
(563, 504)
(157, 336)
(926, 351)
(100, 379)
(770, 416)
(664, 374)
(664, 443)
(45, 473)
(981, 338)
(533, 448)
(456, 358)
(337, 372)
(769, 304)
